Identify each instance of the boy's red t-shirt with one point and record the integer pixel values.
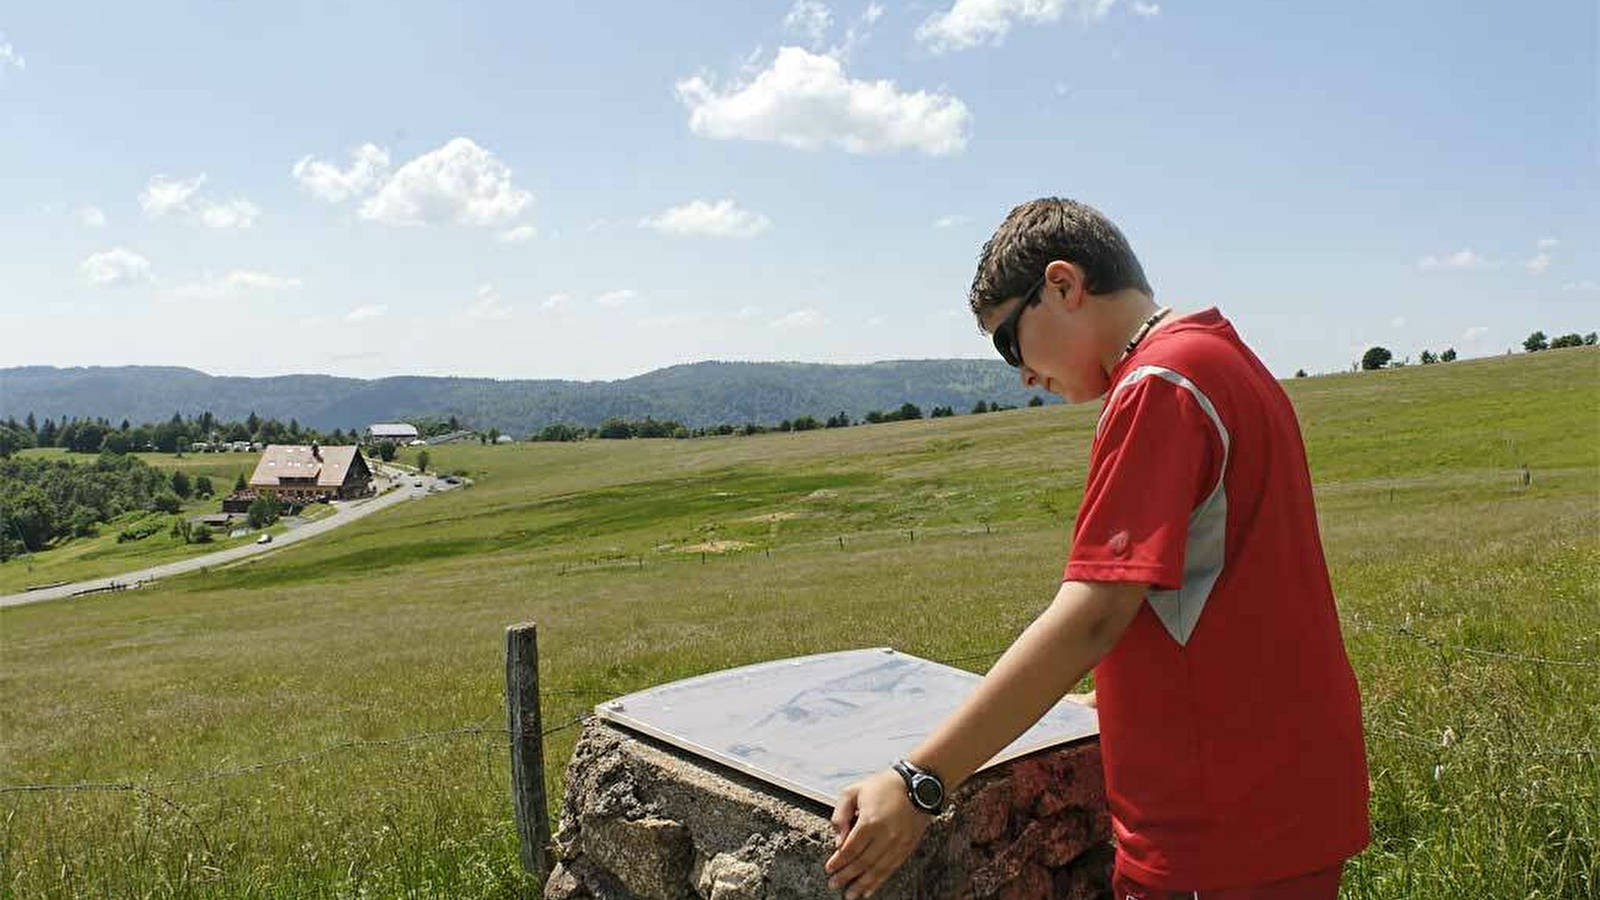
(1230, 720)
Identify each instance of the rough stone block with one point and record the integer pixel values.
(645, 820)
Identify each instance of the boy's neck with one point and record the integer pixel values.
(1126, 312)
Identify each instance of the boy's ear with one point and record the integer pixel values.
(1065, 280)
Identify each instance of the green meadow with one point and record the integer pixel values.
(1471, 601)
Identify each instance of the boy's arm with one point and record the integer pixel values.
(1081, 625)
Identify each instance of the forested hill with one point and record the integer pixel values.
(698, 394)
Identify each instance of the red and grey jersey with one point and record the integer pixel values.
(1230, 718)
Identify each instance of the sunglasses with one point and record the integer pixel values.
(1005, 334)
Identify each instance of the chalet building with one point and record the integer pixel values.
(398, 432)
(304, 473)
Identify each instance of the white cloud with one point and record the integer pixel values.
(857, 33)
(809, 19)
(235, 213)
(487, 305)
(1545, 243)
(746, 313)
(517, 235)
(1584, 285)
(168, 196)
(459, 183)
(1397, 322)
(367, 312)
(92, 217)
(800, 318)
(165, 196)
(1538, 264)
(700, 218)
(613, 299)
(1461, 259)
(1475, 332)
(9, 56)
(1147, 10)
(974, 23)
(236, 282)
(555, 302)
(805, 100)
(951, 221)
(115, 268)
(369, 163)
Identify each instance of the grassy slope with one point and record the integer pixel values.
(393, 626)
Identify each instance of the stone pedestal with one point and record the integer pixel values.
(644, 820)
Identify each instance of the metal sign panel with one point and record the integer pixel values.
(815, 725)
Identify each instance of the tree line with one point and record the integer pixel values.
(617, 428)
(45, 500)
(1382, 358)
(175, 435)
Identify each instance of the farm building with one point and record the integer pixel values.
(312, 472)
(399, 432)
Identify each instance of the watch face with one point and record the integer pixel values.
(928, 792)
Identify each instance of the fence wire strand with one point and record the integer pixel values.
(152, 789)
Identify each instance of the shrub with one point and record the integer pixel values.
(263, 511)
(139, 530)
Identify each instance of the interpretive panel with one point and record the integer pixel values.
(817, 724)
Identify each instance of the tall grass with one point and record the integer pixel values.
(1485, 782)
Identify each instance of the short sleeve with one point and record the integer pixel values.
(1157, 455)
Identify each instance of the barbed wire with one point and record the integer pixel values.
(153, 789)
(1437, 644)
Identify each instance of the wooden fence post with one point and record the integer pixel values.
(527, 747)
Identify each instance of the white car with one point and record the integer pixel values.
(264, 539)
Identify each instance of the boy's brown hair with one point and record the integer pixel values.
(1047, 229)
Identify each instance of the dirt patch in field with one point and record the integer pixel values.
(715, 547)
(773, 517)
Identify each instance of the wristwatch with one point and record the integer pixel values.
(923, 787)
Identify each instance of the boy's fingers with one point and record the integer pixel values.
(846, 876)
(850, 853)
(844, 812)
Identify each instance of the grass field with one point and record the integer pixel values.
(1485, 778)
(100, 555)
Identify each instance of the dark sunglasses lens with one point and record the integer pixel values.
(1006, 344)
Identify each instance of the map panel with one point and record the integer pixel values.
(814, 725)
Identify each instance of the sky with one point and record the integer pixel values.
(595, 190)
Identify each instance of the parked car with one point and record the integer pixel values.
(264, 539)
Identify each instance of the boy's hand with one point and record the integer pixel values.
(885, 831)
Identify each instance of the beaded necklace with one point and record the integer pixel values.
(1144, 329)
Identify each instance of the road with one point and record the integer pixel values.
(345, 513)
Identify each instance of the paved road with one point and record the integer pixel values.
(346, 512)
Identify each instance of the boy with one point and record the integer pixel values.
(1196, 588)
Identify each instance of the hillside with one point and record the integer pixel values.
(705, 393)
(1467, 586)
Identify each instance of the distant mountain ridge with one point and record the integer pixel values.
(696, 394)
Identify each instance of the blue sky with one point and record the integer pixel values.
(596, 190)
